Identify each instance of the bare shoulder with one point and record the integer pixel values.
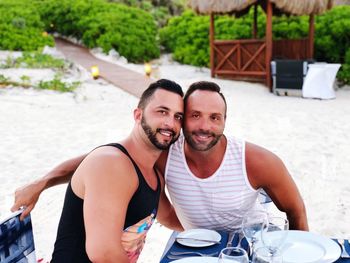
(262, 164)
(107, 163)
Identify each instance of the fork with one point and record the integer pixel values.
(180, 253)
(344, 253)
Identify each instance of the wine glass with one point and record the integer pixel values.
(276, 233)
(233, 254)
(263, 255)
(254, 222)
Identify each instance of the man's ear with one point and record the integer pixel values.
(137, 114)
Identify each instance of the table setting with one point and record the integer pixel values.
(267, 240)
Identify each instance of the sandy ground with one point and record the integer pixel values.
(39, 129)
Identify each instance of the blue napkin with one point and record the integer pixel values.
(347, 247)
(211, 249)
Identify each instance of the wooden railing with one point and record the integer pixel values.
(239, 58)
(246, 58)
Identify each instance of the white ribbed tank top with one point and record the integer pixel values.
(217, 202)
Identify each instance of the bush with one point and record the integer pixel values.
(332, 38)
(344, 73)
(130, 31)
(21, 27)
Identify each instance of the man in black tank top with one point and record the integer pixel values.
(112, 198)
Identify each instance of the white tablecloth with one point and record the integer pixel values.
(319, 81)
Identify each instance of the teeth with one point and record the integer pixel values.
(165, 133)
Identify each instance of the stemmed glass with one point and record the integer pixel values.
(276, 233)
(233, 254)
(254, 222)
(263, 255)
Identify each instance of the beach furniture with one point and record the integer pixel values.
(288, 76)
(16, 240)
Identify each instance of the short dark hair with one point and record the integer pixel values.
(159, 84)
(204, 85)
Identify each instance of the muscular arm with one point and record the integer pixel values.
(106, 201)
(265, 170)
(28, 195)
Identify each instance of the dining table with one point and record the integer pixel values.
(174, 246)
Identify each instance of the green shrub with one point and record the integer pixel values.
(344, 73)
(58, 85)
(21, 27)
(130, 31)
(332, 38)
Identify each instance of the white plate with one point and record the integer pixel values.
(200, 234)
(197, 260)
(306, 247)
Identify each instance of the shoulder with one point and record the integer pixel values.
(107, 163)
(261, 164)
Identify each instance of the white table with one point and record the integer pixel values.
(319, 81)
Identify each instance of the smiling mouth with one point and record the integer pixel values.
(167, 133)
(202, 136)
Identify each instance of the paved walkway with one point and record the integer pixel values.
(128, 80)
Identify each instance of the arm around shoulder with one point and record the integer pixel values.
(28, 195)
(266, 170)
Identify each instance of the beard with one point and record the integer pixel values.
(201, 146)
(152, 135)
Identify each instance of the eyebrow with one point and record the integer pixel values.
(168, 109)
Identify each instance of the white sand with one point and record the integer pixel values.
(38, 129)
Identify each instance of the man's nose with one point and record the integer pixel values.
(204, 124)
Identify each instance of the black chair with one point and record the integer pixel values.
(288, 76)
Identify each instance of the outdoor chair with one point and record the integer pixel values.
(288, 76)
(16, 240)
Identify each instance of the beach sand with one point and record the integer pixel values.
(40, 128)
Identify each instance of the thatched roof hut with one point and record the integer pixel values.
(293, 7)
(251, 58)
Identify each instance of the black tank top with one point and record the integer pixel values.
(70, 240)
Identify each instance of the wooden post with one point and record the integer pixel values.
(211, 43)
(255, 22)
(311, 36)
(268, 39)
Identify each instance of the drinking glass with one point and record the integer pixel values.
(254, 222)
(263, 255)
(233, 254)
(276, 233)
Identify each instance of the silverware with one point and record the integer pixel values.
(230, 238)
(198, 239)
(180, 253)
(183, 256)
(344, 253)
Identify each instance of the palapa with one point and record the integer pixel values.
(289, 7)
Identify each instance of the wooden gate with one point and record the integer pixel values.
(239, 58)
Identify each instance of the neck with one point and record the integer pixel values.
(144, 153)
(205, 163)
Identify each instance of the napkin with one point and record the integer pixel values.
(347, 247)
(210, 249)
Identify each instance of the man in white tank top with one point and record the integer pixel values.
(212, 179)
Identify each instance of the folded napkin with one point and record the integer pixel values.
(207, 250)
(347, 247)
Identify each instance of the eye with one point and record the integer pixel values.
(216, 118)
(178, 117)
(195, 115)
(162, 112)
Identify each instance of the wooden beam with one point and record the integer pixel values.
(268, 39)
(211, 43)
(311, 36)
(255, 22)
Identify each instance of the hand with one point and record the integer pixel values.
(27, 196)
